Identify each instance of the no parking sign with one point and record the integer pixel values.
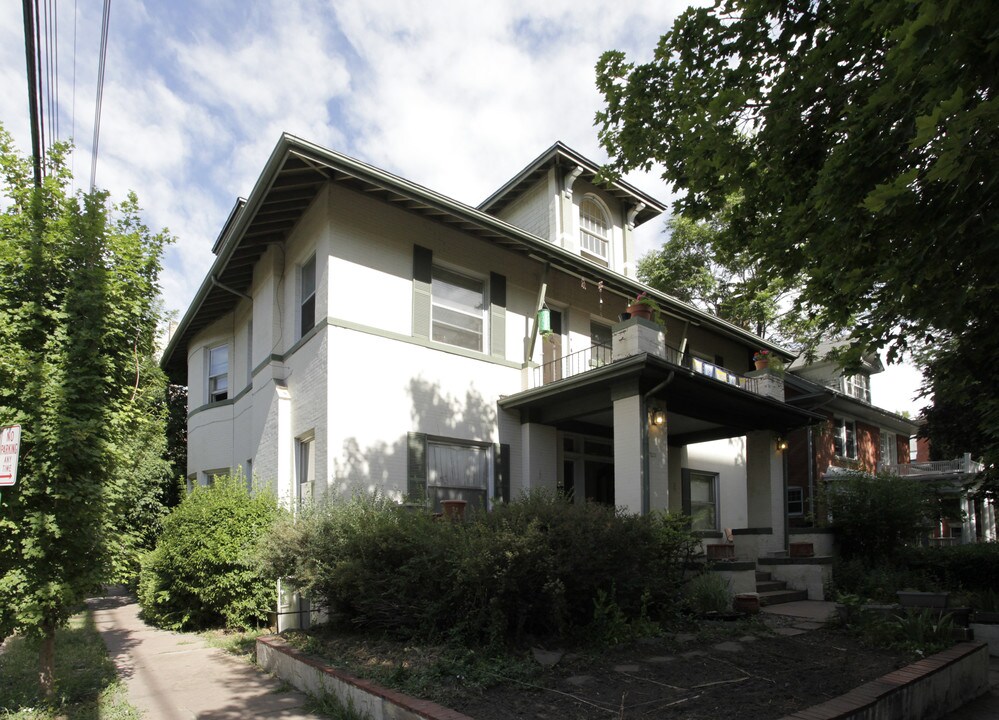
(10, 446)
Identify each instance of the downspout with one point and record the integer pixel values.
(646, 489)
(811, 477)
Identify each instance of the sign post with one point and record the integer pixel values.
(10, 446)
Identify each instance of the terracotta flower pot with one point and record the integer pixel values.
(748, 603)
(761, 364)
(640, 310)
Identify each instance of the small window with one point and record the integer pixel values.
(458, 309)
(212, 475)
(795, 501)
(305, 473)
(845, 438)
(307, 298)
(458, 471)
(594, 228)
(700, 493)
(218, 373)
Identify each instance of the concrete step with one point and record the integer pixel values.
(776, 597)
(763, 586)
(763, 575)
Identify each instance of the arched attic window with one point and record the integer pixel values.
(594, 228)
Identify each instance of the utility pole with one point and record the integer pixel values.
(29, 53)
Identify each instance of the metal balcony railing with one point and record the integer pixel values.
(958, 466)
(597, 356)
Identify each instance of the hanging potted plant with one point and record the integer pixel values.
(762, 359)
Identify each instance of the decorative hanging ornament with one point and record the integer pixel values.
(600, 290)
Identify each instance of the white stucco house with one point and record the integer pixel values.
(359, 332)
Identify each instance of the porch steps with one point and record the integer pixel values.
(775, 592)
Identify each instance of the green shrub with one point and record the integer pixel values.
(203, 571)
(536, 566)
(958, 567)
(875, 516)
(878, 582)
(708, 592)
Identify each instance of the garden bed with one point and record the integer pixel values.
(735, 670)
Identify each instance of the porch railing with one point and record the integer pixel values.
(934, 467)
(597, 356)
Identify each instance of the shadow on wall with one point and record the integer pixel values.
(380, 467)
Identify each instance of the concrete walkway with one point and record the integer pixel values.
(172, 676)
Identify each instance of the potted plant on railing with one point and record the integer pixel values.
(645, 307)
(762, 359)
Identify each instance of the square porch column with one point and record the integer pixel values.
(539, 456)
(629, 427)
(765, 490)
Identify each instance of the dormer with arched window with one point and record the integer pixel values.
(594, 228)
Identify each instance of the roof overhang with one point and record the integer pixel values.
(292, 177)
(698, 408)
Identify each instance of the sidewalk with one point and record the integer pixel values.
(171, 676)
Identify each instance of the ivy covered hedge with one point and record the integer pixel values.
(539, 566)
(203, 571)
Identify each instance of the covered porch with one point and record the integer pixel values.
(640, 428)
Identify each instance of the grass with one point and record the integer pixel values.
(242, 644)
(87, 686)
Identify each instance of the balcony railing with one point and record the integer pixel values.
(916, 469)
(597, 356)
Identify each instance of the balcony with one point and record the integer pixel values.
(597, 356)
(935, 469)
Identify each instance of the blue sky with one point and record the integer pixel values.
(456, 96)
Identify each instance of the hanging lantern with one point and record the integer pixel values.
(544, 320)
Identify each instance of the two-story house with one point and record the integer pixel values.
(360, 333)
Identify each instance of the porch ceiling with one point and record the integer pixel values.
(698, 408)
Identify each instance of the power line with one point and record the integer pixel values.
(27, 8)
(105, 21)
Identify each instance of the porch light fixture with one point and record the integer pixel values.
(781, 444)
(658, 417)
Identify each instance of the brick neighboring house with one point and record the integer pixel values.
(855, 435)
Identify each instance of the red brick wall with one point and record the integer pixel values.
(868, 446)
(902, 448)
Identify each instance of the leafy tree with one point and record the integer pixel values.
(694, 266)
(77, 302)
(863, 136)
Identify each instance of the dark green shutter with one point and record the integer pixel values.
(501, 465)
(497, 315)
(423, 264)
(416, 467)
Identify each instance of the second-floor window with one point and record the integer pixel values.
(845, 438)
(459, 302)
(858, 386)
(889, 448)
(218, 373)
(594, 228)
(307, 296)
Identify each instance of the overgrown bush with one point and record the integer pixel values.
(878, 582)
(203, 572)
(538, 566)
(875, 516)
(958, 567)
(708, 592)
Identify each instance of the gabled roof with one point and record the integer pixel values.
(565, 158)
(291, 179)
(871, 362)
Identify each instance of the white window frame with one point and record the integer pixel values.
(799, 501)
(593, 239)
(438, 490)
(857, 386)
(690, 507)
(889, 448)
(212, 387)
(307, 296)
(305, 469)
(843, 430)
(440, 308)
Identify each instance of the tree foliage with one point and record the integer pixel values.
(694, 265)
(76, 341)
(863, 136)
